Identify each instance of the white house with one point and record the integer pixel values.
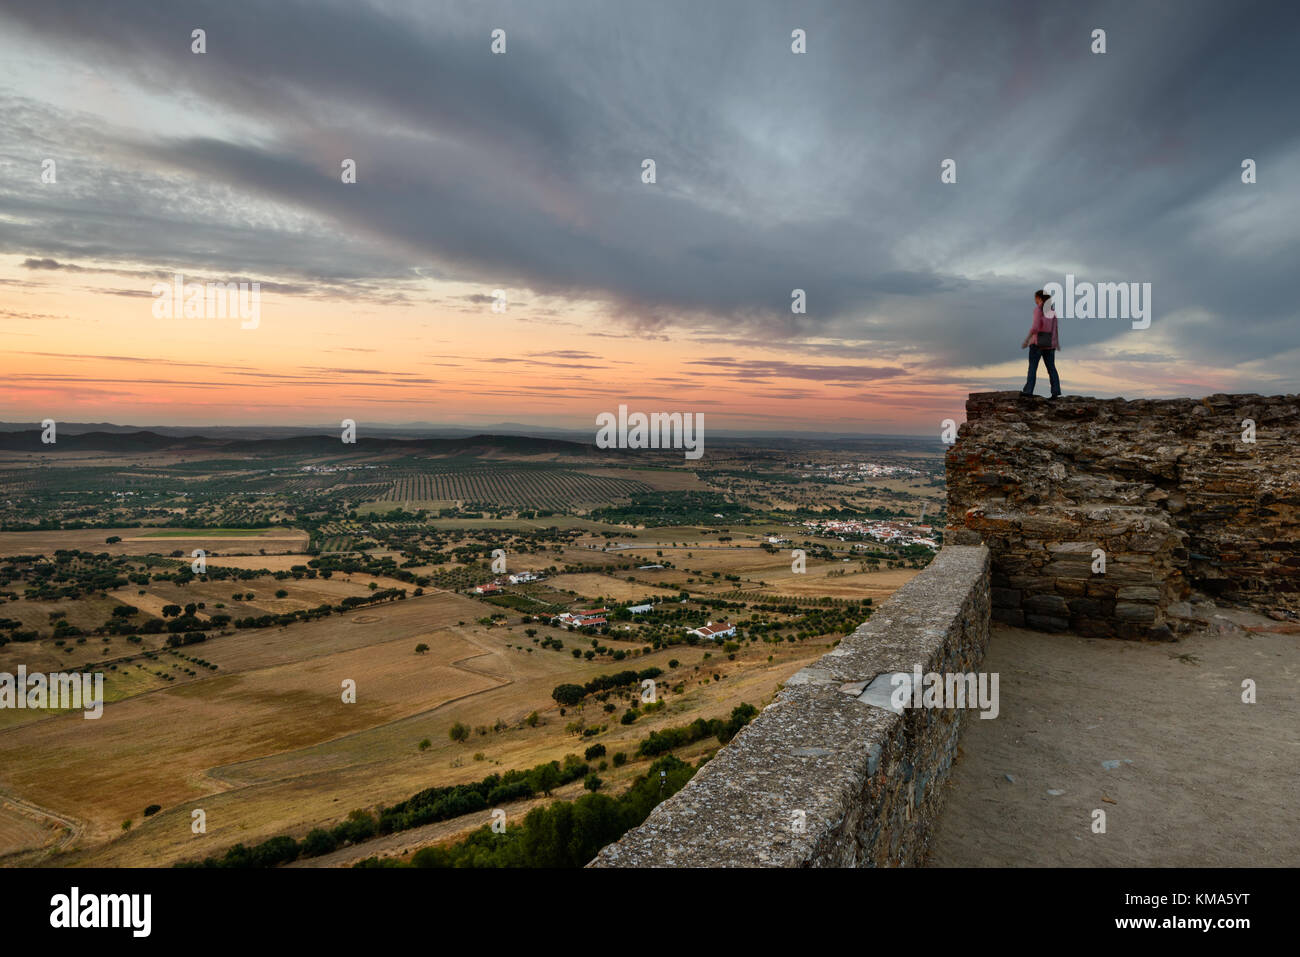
(714, 631)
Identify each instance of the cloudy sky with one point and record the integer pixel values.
(523, 171)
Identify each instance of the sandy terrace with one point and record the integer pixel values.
(1156, 735)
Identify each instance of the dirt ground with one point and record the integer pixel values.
(136, 541)
(1156, 735)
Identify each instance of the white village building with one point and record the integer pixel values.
(714, 631)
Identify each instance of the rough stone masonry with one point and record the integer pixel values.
(831, 774)
(1172, 492)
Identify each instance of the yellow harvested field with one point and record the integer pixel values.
(590, 585)
(136, 541)
(263, 743)
(21, 828)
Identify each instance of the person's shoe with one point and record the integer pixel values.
(1054, 396)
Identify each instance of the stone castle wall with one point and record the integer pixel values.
(829, 774)
(1168, 489)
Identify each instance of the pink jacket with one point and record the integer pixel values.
(1044, 324)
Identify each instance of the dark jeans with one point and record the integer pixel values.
(1049, 359)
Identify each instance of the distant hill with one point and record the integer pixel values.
(734, 438)
(29, 440)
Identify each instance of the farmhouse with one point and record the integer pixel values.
(520, 577)
(639, 609)
(491, 588)
(715, 631)
(580, 619)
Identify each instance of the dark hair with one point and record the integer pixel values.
(1042, 295)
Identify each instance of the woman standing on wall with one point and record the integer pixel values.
(1043, 342)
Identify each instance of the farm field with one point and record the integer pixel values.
(206, 533)
(136, 541)
(224, 684)
(21, 828)
(283, 726)
(546, 487)
(591, 585)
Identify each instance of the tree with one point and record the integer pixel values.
(546, 778)
(171, 611)
(421, 648)
(459, 732)
(281, 593)
(592, 783)
(568, 694)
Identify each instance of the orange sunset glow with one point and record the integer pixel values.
(747, 254)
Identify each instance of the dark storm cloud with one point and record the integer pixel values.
(50, 264)
(756, 370)
(775, 171)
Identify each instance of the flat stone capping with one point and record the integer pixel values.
(829, 775)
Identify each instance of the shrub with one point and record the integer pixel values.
(317, 842)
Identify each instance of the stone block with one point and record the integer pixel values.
(1005, 597)
(1047, 605)
(1009, 616)
(1135, 612)
(1047, 622)
(1138, 593)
